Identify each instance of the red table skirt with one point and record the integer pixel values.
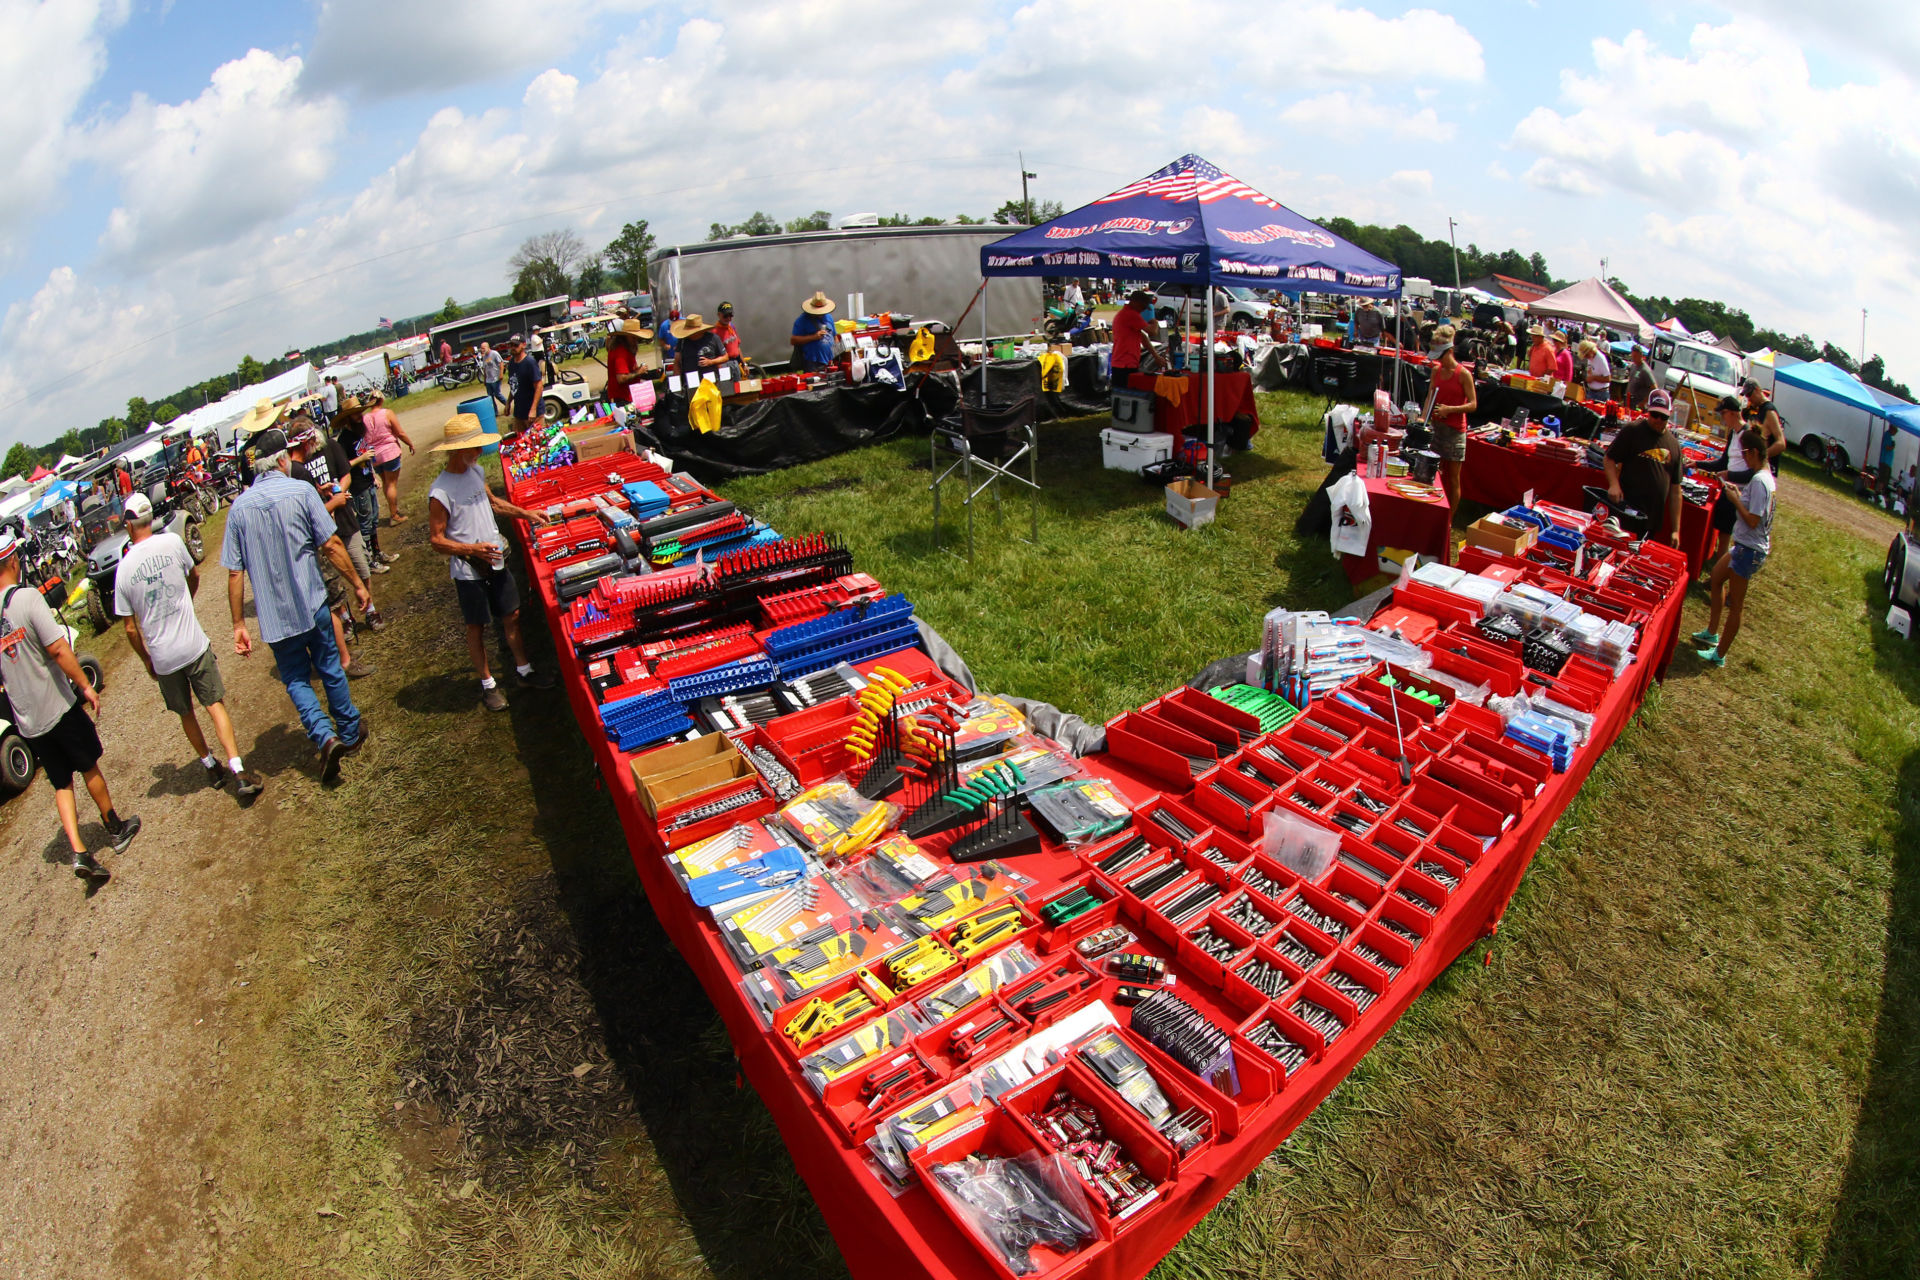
(1233, 398)
(1399, 521)
(1500, 477)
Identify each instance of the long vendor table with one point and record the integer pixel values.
(1372, 931)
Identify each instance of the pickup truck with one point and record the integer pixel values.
(1244, 311)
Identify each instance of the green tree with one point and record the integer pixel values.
(139, 414)
(548, 260)
(216, 388)
(449, 312)
(20, 461)
(1014, 213)
(966, 220)
(818, 220)
(760, 224)
(164, 412)
(110, 431)
(1834, 355)
(249, 372)
(540, 278)
(591, 280)
(627, 255)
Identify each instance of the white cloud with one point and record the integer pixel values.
(1414, 182)
(50, 56)
(199, 173)
(1352, 114)
(55, 334)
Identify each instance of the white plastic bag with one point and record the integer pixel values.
(1352, 518)
(1303, 847)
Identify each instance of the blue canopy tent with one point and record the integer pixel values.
(1823, 400)
(1905, 421)
(57, 492)
(1191, 223)
(1833, 382)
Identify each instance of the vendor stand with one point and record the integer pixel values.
(1424, 870)
(1407, 516)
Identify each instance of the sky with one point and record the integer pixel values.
(199, 180)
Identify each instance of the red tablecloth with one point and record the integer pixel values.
(1411, 524)
(1233, 397)
(1500, 477)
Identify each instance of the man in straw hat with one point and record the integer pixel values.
(153, 590)
(1368, 324)
(276, 533)
(461, 526)
(51, 697)
(813, 333)
(700, 351)
(623, 359)
(1540, 355)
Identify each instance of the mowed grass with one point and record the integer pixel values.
(1693, 1051)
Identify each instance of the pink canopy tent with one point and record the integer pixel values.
(1593, 300)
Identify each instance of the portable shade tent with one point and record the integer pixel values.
(39, 473)
(1190, 223)
(56, 493)
(1674, 326)
(1905, 423)
(1593, 300)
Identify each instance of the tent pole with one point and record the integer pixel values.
(1213, 374)
(1397, 352)
(984, 282)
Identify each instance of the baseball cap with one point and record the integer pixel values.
(9, 543)
(518, 337)
(1730, 404)
(138, 507)
(269, 442)
(1749, 386)
(726, 308)
(1661, 403)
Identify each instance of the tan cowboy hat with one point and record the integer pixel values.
(263, 415)
(1557, 335)
(692, 327)
(463, 431)
(634, 329)
(818, 305)
(350, 405)
(1536, 331)
(1366, 304)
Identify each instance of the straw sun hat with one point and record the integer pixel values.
(818, 305)
(463, 431)
(691, 327)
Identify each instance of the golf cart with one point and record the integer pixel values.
(107, 540)
(1903, 577)
(17, 762)
(568, 390)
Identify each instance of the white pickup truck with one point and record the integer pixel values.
(1707, 372)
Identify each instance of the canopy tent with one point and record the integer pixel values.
(57, 492)
(1906, 443)
(1674, 326)
(145, 449)
(1594, 300)
(68, 462)
(12, 485)
(1191, 223)
(39, 473)
(1833, 382)
(16, 504)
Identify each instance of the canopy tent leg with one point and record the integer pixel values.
(1397, 352)
(1213, 372)
(983, 340)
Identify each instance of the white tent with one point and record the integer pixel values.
(1593, 299)
(17, 503)
(12, 485)
(67, 462)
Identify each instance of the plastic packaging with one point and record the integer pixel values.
(836, 820)
(1305, 848)
(1014, 1204)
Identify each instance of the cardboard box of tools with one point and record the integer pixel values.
(676, 773)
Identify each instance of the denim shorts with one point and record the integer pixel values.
(1745, 561)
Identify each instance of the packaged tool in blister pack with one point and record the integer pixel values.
(754, 930)
(835, 820)
(891, 870)
(860, 1049)
(985, 725)
(978, 983)
(740, 843)
(844, 946)
(1081, 810)
(1038, 761)
(959, 892)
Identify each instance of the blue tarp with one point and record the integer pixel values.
(1833, 382)
(1191, 223)
(1906, 418)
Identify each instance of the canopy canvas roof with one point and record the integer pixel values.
(1833, 382)
(1193, 223)
(1593, 299)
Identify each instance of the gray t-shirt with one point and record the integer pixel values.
(1758, 495)
(490, 365)
(469, 513)
(39, 690)
(151, 588)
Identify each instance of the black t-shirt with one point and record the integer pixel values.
(1650, 463)
(526, 372)
(328, 463)
(707, 346)
(351, 436)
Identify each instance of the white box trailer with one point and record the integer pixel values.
(1823, 406)
(930, 273)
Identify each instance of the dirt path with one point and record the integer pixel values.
(113, 1006)
(1837, 509)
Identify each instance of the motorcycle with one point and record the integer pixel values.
(456, 374)
(1064, 321)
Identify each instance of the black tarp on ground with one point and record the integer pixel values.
(1280, 365)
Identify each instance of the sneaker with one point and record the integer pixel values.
(375, 623)
(330, 754)
(1710, 656)
(129, 828)
(381, 566)
(92, 872)
(535, 679)
(1705, 639)
(492, 699)
(388, 557)
(357, 669)
(247, 784)
(216, 775)
(358, 742)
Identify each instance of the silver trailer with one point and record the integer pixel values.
(930, 273)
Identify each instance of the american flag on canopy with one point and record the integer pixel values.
(1191, 178)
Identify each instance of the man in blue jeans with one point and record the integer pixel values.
(276, 533)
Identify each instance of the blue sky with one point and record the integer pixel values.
(197, 181)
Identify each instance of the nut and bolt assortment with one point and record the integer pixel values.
(1437, 873)
(1377, 960)
(1192, 903)
(1218, 946)
(1167, 822)
(1393, 926)
(1249, 917)
(1295, 950)
(1261, 883)
(1123, 857)
(1406, 894)
(1073, 1128)
(1341, 895)
(1318, 919)
(1276, 1044)
(1268, 979)
(1321, 1019)
(1350, 987)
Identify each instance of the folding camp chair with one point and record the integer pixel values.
(993, 439)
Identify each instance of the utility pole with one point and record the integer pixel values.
(1863, 337)
(1456, 255)
(1026, 204)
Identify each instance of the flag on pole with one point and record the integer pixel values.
(385, 323)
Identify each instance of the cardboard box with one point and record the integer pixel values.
(618, 440)
(1503, 539)
(667, 775)
(1191, 504)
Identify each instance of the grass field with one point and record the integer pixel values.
(1692, 1049)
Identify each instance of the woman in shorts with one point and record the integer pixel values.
(385, 437)
(1453, 399)
(1753, 503)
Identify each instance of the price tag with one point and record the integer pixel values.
(1526, 499)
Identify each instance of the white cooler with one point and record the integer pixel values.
(1130, 450)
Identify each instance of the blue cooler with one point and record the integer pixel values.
(481, 408)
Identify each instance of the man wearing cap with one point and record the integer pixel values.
(723, 330)
(813, 333)
(1368, 324)
(1639, 378)
(491, 363)
(1132, 337)
(276, 533)
(1760, 413)
(700, 350)
(51, 698)
(322, 463)
(1644, 465)
(623, 360)
(461, 526)
(528, 382)
(153, 590)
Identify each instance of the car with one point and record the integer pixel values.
(1244, 310)
(103, 561)
(17, 762)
